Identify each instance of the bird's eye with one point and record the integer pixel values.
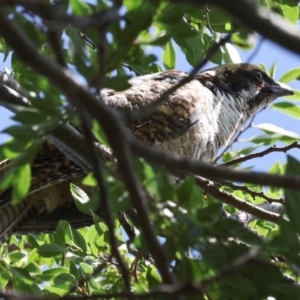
(259, 76)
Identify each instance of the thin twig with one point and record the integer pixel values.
(225, 197)
(126, 226)
(256, 50)
(269, 150)
(207, 12)
(254, 194)
(104, 208)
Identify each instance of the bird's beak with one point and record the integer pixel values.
(281, 89)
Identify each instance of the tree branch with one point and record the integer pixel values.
(269, 150)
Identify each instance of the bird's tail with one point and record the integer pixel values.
(11, 216)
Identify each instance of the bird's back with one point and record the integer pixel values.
(182, 125)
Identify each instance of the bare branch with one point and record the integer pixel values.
(214, 173)
(254, 194)
(225, 197)
(207, 11)
(246, 218)
(269, 150)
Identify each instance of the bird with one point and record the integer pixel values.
(194, 122)
(203, 115)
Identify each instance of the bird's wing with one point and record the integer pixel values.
(173, 118)
(52, 173)
(45, 222)
(49, 168)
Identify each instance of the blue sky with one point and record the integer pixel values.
(268, 54)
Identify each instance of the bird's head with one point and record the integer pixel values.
(245, 83)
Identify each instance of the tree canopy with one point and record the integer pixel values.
(225, 232)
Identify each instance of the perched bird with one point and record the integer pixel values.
(193, 122)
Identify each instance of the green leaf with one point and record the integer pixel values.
(244, 42)
(191, 43)
(290, 75)
(78, 50)
(62, 279)
(79, 241)
(62, 284)
(87, 269)
(281, 132)
(48, 275)
(80, 8)
(50, 250)
(90, 180)
(21, 132)
(169, 57)
(82, 201)
(286, 240)
(16, 256)
(230, 54)
(288, 108)
(95, 236)
(272, 70)
(19, 171)
(33, 267)
(291, 13)
(63, 229)
(292, 197)
(22, 183)
(21, 274)
(118, 83)
(4, 278)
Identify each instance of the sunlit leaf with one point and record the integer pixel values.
(50, 250)
(230, 54)
(288, 108)
(169, 58)
(290, 75)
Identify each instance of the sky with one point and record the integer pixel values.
(268, 53)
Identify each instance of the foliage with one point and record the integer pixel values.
(216, 257)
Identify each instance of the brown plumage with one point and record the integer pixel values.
(194, 122)
(204, 114)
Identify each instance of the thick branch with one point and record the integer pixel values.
(228, 198)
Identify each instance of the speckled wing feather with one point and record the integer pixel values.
(45, 222)
(50, 167)
(52, 173)
(177, 114)
(170, 126)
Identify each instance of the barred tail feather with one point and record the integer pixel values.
(11, 216)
